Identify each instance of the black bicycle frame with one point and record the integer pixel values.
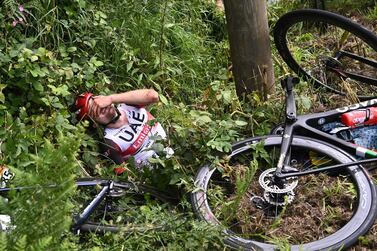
(306, 125)
(80, 218)
(107, 185)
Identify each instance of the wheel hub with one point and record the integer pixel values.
(277, 193)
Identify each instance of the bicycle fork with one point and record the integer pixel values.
(79, 220)
(291, 116)
(279, 191)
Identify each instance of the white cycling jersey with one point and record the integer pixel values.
(135, 138)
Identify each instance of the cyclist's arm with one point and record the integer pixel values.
(141, 97)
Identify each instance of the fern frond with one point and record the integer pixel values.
(21, 244)
(3, 241)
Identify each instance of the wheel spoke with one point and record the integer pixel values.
(303, 39)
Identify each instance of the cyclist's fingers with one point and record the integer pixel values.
(94, 109)
(96, 106)
(102, 101)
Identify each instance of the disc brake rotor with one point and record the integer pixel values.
(273, 193)
(266, 180)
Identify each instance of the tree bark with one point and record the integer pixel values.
(250, 49)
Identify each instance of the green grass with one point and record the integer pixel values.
(63, 48)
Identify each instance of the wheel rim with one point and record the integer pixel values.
(242, 229)
(313, 46)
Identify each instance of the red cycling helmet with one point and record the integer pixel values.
(82, 105)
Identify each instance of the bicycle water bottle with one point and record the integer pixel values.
(367, 116)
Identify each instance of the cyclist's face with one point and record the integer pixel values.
(104, 115)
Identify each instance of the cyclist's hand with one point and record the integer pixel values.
(100, 102)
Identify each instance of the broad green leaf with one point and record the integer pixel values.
(34, 72)
(98, 63)
(227, 96)
(38, 86)
(240, 123)
(68, 73)
(163, 99)
(204, 119)
(72, 49)
(129, 65)
(33, 58)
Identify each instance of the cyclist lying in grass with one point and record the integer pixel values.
(130, 130)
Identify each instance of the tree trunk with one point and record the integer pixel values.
(250, 46)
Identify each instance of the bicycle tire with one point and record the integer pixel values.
(305, 55)
(209, 208)
(127, 197)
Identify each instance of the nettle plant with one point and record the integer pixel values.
(44, 78)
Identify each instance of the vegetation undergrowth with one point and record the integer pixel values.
(52, 50)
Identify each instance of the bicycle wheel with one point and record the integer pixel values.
(321, 47)
(313, 212)
(120, 211)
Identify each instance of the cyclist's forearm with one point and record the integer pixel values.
(136, 97)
